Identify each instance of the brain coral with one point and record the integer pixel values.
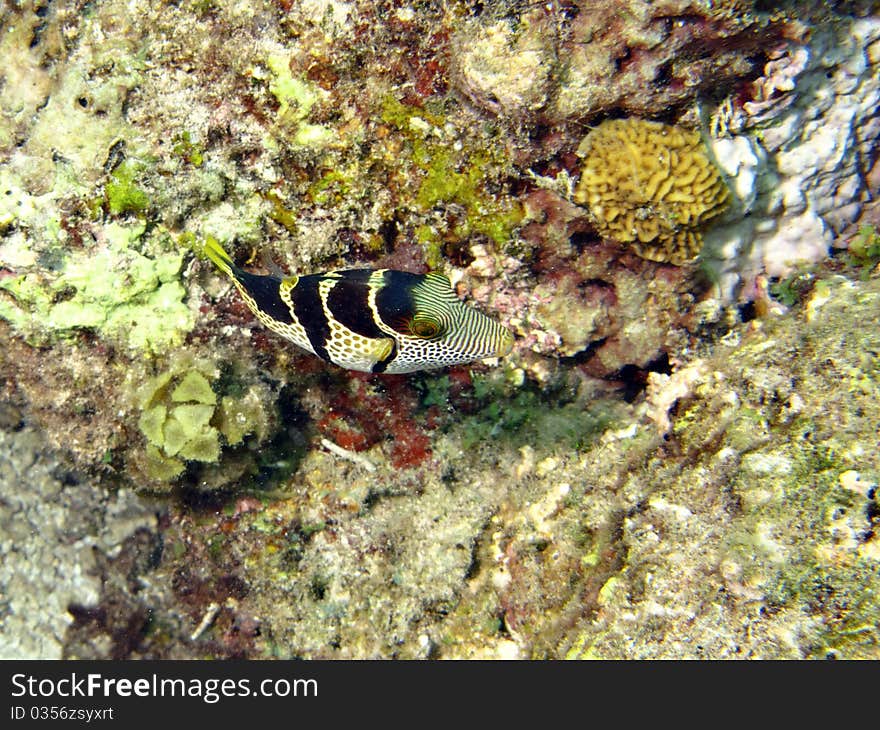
(650, 185)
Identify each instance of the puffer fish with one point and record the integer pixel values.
(371, 320)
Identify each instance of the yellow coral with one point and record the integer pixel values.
(650, 185)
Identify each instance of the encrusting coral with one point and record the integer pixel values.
(650, 185)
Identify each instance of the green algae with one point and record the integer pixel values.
(508, 415)
(863, 251)
(280, 213)
(453, 174)
(296, 99)
(152, 423)
(850, 625)
(122, 194)
(330, 189)
(188, 150)
(161, 467)
(241, 415)
(443, 182)
(194, 387)
(177, 408)
(814, 576)
(792, 288)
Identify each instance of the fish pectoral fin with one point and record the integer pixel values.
(382, 349)
(273, 268)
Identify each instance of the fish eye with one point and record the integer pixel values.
(424, 327)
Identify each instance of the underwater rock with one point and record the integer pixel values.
(797, 151)
(726, 522)
(645, 58)
(507, 65)
(54, 525)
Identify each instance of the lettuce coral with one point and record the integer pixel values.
(191, 411)
(176, 424)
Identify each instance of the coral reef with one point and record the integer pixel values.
(650, 185)
(663, 537)
(507, 65)
(588, 298)
(647, 474)
(672, 537)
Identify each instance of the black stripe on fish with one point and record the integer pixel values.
(348, 302)
(264, 291)
(309, 310)
(394, 301)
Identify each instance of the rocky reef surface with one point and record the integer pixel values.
(680, 456)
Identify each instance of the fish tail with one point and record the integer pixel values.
(213, 250)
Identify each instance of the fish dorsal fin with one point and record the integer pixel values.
(287, 283)
(274, 269)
